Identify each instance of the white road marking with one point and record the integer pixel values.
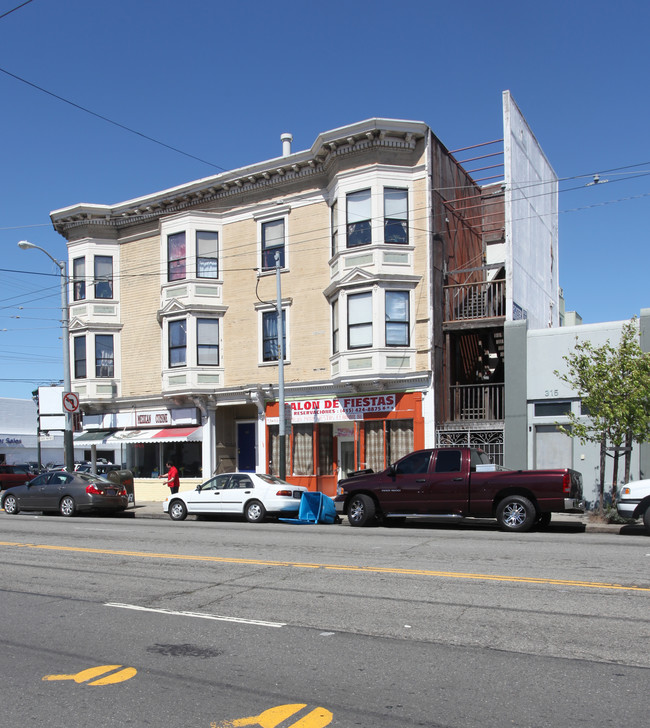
(199, 615)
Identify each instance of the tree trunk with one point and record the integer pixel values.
(628, 455)
(615, 476)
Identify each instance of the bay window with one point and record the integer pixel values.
(177, 343)
(359, 218)
(360, 320)
(207, 254)
(79, 346)
(104, 356)
(395, 215)
(207, 342)
(397, 318)
(79, 279)
(103, 276)
(176, 257)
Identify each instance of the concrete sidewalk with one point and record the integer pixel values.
(561, 521)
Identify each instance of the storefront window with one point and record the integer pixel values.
(374, 459)
(274, 442)
(303, 451)
(325, 449)
(399, 434)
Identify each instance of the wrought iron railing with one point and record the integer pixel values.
(467, 301)
(476, 402)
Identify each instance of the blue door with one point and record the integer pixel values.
(246, 446)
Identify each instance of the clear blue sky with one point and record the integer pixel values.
(223, 80)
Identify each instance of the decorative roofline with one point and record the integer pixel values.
(373, 133)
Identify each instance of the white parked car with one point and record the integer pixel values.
(634, 501)
(253, 495)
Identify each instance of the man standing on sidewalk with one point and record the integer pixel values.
(173, 481)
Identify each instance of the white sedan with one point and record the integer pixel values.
(253, 495)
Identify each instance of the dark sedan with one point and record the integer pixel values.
(68, 493)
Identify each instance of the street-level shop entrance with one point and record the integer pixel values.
(330, 437)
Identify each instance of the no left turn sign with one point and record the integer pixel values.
(70, 401)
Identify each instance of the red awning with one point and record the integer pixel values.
(169, 434)
(176, 434)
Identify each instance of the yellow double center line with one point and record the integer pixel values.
(333, 567)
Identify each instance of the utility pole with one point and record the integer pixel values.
(282, 422)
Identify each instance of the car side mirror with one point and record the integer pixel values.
(390, 470)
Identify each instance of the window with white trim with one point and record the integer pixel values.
(397, 318)
(396, 215)
(335, 326)
(104, 356)
(79, 349)
(270, 349)
(207, 254)
(176, 257)
(103, 276)
(177, 331)
(207, 342)
(273, 241)
(359, 218)
(334, 221)
(79, 279)
(360, 320)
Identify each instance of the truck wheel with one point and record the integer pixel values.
(646, 519)
(516, 513)
(361, 510)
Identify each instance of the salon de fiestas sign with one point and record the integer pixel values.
(338, 409)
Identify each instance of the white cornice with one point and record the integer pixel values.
(382, 133)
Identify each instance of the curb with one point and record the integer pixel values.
(153, 510)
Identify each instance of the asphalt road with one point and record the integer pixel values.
(213, 624)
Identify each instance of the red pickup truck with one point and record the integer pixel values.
(456, 483)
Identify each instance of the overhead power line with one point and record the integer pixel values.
(13, 10)
(110, 121)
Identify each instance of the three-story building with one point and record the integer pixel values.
(394, 268)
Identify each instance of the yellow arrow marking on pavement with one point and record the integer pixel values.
(334, 567)
(85, 676)
(317, 718)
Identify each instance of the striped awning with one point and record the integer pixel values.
(169, 434)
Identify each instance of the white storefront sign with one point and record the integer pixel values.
(338, 409)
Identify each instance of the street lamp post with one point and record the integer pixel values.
(68, 449)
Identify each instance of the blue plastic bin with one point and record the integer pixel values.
(314, 508)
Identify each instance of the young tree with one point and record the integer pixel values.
(614, 385)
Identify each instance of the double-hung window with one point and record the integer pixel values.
(272, 243)
(104, 356)
(359, 218)
(79, 357)
(176, 257)
(207, 254)
(397, 318)
(396, 215)
(177, 343)
(207, 342)
(79, 279)
(270, 336)
(335, 227)
(103, 276)
(360, 320)
(335, 326)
